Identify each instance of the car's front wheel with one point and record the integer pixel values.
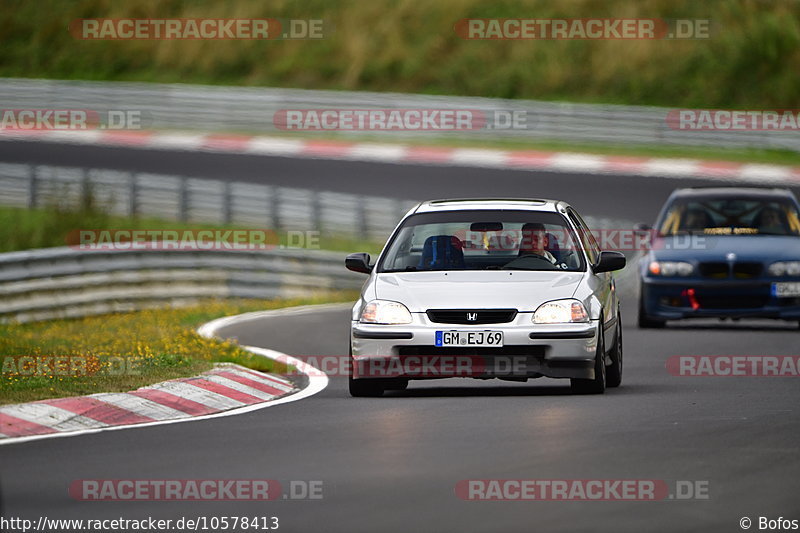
(598, 384)
(365, 388)
(645, 322)
(614, 370)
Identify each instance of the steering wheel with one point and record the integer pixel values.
(535, 255)
(539, 262)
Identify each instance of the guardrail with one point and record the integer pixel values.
(202, 200)
(251, 110)
(64, 282)
(73, 282)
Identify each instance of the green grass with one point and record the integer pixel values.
(124, 351)
(750, 61)
(23, 229)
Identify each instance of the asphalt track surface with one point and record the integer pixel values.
(392, 463)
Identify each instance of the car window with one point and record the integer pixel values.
(585, 234)
(730, 216)
(483, 240)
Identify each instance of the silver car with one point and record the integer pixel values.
(487, 288)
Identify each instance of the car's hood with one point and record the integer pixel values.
(521, 290)
(765, 248)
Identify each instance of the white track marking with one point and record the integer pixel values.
(377, 152)
(51, 416)
(231, 384)
(140, 406)
(196, 394)
(317, 380)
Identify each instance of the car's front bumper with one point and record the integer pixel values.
(670, 299)
(529, 350)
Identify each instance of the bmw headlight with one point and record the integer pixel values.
(560, 312)
(670, 268)
(784, 268)
(385, 312)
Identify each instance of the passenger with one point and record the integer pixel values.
(769, 221)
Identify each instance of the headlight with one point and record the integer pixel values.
(670, 268)
(560, 312)
(385, 312)
(784, 268)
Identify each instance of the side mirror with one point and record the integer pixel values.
(609, 261)
(358, 263)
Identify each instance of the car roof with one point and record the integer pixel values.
(465, 204)
(730, 192)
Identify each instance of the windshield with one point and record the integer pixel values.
(483, 240)
(731, 216)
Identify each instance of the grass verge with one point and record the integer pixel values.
(749, 60)
(24, 229)
(121, 352)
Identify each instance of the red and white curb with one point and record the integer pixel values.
(225, 390)
(428, 155)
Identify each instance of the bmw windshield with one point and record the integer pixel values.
(731, 216)
(483, 240)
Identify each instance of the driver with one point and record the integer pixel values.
(695, 220)
(535, 241)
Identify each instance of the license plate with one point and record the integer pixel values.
(469, 338)
(786, 289)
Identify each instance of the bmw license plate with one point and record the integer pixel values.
(469, 338)
(786, 289)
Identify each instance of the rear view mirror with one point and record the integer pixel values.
(486, 226)
(358, 263)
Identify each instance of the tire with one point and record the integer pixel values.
(645, 322)
(598, 384)
(397, 384)
(364, 388)
(614, 371)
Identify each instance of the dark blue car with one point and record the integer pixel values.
(724, 253)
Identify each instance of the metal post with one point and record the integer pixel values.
(316, 212)
(183, 215)
(86, 200)
(133, 195)
(32, 187)
(361, 214)
(274, 207)
(227, 202)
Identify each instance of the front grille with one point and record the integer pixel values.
(713, 269)
(740, 270)
(745, 270)
(471, 316)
